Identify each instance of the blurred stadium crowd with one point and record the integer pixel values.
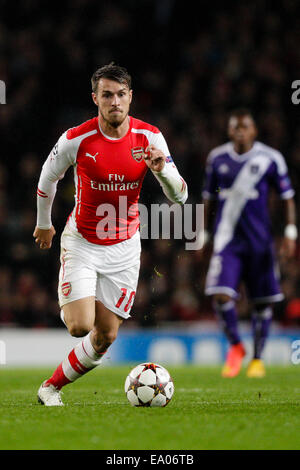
(189, 70)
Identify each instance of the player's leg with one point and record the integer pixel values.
(76, 292)
(80, 318)
(98, 336)
(226, 310)
(263, 284)
(222, 282)
(88, 353)
(105, 330)
(77, 284)
(261, 322)
(115, 295)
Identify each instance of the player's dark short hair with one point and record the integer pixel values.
(241, 112)
(112, 72)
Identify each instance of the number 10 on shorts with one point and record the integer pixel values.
(121, 299)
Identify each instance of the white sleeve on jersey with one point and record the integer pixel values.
(59, 160)
(173, 185)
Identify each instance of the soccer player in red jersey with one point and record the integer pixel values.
(100, 245)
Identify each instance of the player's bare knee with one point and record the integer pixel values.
(109, 337)
(221, 299)
(78, 330)
(105, 338)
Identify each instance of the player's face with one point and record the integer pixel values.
(113, 100)
(242, 130)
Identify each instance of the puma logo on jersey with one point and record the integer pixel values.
(92, 156)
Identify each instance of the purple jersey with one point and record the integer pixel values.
(241, 185)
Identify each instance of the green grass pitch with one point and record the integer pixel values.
(206, 412)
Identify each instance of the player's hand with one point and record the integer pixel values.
(288, 247)
(44, 237)
(154, 158)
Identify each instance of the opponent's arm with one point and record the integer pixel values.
(288, 247)
(59, 160)
(281, 181)
(173, 185)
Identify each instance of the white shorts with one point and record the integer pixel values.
(108, 272)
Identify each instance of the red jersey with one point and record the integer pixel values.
(108, 175)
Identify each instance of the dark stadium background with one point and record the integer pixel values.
(191, 63)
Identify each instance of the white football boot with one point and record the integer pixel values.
(49, 396)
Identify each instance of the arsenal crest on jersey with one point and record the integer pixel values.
(138, 153)
(66, 288)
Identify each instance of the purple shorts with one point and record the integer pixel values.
(257, 270)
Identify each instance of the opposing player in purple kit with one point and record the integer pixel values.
(239, 176)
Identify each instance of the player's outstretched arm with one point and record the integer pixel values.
(173, 185)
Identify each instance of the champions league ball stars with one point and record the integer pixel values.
(149, 384)
(100, 257)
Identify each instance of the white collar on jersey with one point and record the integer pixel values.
(241, 156)
(108, 136)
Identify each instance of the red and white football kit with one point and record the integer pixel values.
(100, 246)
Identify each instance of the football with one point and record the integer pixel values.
(149, 384)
